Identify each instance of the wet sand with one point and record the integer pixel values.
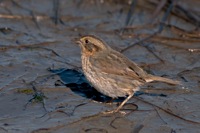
(37, 35)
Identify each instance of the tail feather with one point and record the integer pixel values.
(162, 79)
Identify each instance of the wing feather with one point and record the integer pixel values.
(119, 65)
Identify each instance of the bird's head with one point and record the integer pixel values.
(91, 45)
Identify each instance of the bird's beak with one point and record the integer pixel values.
(76, 40)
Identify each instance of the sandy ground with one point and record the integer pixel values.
(36, 35)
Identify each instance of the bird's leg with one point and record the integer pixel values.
(120, 106)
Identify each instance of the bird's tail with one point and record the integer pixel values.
(162, 79)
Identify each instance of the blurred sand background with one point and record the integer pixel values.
(36, 35)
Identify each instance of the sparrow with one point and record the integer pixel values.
(112, 73)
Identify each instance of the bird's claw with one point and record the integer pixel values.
(113, 112)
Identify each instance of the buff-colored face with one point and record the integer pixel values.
(91, 45)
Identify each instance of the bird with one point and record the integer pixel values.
(110, 72)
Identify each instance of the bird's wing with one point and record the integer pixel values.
(117, 64)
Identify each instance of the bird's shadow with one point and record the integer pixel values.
(77, 82)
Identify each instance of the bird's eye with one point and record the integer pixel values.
(86, 41)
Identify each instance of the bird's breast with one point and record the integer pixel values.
(102, 81)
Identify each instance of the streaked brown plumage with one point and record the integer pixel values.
(110, 72)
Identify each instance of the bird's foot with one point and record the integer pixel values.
(113, 112)
(109, 112)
